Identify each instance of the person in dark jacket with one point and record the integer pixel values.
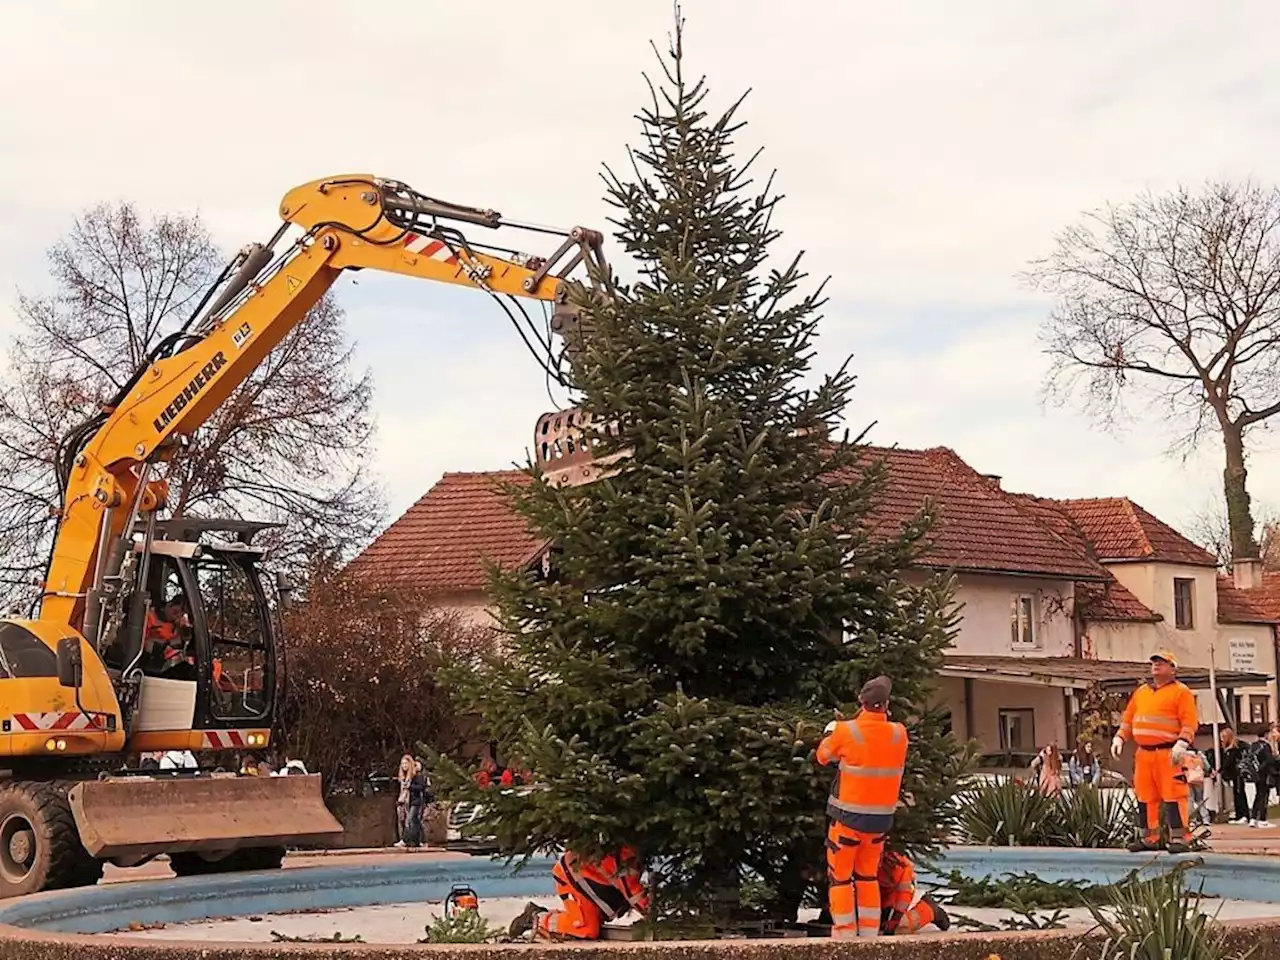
(1258, 764)
(419, 797)
(1231, 751)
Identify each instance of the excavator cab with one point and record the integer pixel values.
(208, 654)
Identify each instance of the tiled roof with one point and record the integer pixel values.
(439, 544)
(1120, 530)
(1255, 605)
(1118, 675)
(1110, 601)
(980, 527)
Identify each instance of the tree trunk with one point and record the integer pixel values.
(1239, 511)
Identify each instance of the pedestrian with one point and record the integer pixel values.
(1193, 770)
(413, 827)
(403, 776)
(1048, 766)
(1257, 762)
(1232, 752)
(871, 751)
(1084, 767)
(1161, 720)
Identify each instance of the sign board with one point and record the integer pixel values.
(1244, 655)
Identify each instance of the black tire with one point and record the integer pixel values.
(40, 846)
(192, 864)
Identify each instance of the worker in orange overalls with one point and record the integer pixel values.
(1161, 719)
(897, 882)
(872, 753)
(591, 894)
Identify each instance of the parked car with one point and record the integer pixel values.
(464, 813)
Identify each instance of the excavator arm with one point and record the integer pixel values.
(351, 222)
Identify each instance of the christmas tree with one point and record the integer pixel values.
(710, 605)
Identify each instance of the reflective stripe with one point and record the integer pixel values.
(844, 933)
(885, 810)
(871, 771)
(1156, 720)
(842, 918)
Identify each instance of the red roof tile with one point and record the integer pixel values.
(1120, 530)
(1110, 601)
(441, 541)
(1256, 605)
(980, 527)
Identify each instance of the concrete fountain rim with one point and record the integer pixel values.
(25, 922)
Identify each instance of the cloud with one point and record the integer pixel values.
(927, 150)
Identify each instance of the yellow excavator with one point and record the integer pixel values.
(158, 634)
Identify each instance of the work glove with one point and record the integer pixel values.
(1180, 750)
(1117, 747)
(829, 727)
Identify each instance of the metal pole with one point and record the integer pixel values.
(1217, 742)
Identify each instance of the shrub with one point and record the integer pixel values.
(1157, 919)
(360, 686)
(1010, 814)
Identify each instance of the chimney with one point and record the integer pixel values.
(994, 478)
(1247, 573)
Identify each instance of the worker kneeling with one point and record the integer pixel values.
(1161, 719)
(591, 895)
(898, 913)
(872, 753)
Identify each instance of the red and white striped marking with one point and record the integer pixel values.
(434, 249)
(227, 739)
(51, 722)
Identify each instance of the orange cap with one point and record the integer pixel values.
(1168, 656)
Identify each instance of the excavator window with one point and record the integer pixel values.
(22, 655)
(238, 638)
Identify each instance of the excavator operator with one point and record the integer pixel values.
(167, 634)
(872, 753)
(1161, 719)
(898, 914)
(591, 894)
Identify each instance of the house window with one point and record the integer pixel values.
(1017, 730)
(1259, 709)
(1022, 621)
(1183, 611)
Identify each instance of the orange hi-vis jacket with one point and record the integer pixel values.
(612, 885)
(1160, 716)
(872, 752)
(897, 879)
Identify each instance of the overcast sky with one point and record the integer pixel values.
(928, 150)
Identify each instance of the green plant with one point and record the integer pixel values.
(465, 926)
(1089, 817)
(1016, 890)
(1158, 919)
(1004, 814)
(1010, 814)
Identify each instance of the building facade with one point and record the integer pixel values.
(1057, 597)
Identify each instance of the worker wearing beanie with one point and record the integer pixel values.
(872, 752)
(1161, 719)
(898, 913)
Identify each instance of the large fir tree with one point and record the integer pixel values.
(711, 604)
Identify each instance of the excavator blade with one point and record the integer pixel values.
(129, 819)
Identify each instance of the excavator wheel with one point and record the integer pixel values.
(40, 847)
(192, 863)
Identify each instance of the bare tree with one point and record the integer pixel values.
(1174, 300)
(292, 443)
(1210, 528)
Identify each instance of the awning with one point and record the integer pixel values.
(1078, 673)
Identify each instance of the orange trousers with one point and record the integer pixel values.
(1158, 783)
(578, 918)
(898, 915)
(853, 894)
(913, 920)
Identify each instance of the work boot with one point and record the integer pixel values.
(525, 921)
(940, 918)
(1141, 846)
(1178, 846)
